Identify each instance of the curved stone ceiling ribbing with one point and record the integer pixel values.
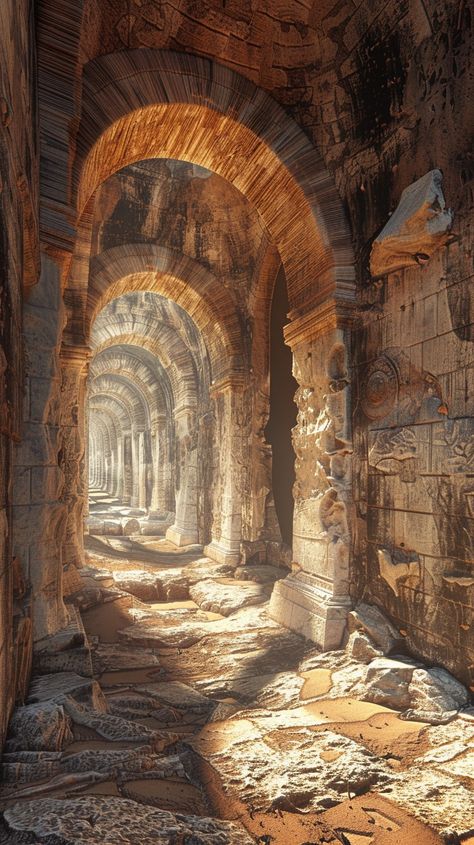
(121, 361)
(123, 387)
(151, 268)
(143, 351)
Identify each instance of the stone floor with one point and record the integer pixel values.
(174, 710)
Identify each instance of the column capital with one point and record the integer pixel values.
(75, 356)
(321, 319)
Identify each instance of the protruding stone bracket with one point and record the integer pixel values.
(418, 227)
(397, 565)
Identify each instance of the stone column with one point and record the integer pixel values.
(185, 528)
(314, 599)
(227, 395)
(127, 468)
(74, 367)
(135, 441)
(119, 484)
(141, 471)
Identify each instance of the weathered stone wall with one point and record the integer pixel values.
(401, 108)
(19, 261)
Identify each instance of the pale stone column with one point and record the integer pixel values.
(185, 528)
(119, 482)
(141, 471)
(135, 440)
(127, 468)
(162, 500)
(74, 366)
(314, 599)
(225, 544)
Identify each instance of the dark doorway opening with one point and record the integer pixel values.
(283, 411)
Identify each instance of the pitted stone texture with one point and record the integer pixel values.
(92, 819)
(309, 769)
(25, 766)
(227, 596)
(39, 727)
(436, 798)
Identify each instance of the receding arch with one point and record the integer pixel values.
(147, 103)
(121, 385)
(120, 361)
(156, 269)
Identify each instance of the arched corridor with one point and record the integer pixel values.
(236, 557)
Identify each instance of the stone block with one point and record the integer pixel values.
(418, 227)
(298, 604)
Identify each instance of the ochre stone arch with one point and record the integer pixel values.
(140, 104)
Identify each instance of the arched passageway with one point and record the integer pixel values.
(236, 421)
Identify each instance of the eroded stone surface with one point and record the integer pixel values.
(118, 820)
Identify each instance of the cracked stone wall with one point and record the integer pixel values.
(19, 260)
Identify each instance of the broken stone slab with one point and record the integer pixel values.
(39, 727)
(68, 822)
(419, 226)
(186, 628)
(370, 619)
(436, 798)
(227, 596)
(56, 686)
(104, 577)
(428, 695)
(435, 696)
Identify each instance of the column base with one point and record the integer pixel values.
(181, 538)
(302, 604)
(222, 554)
